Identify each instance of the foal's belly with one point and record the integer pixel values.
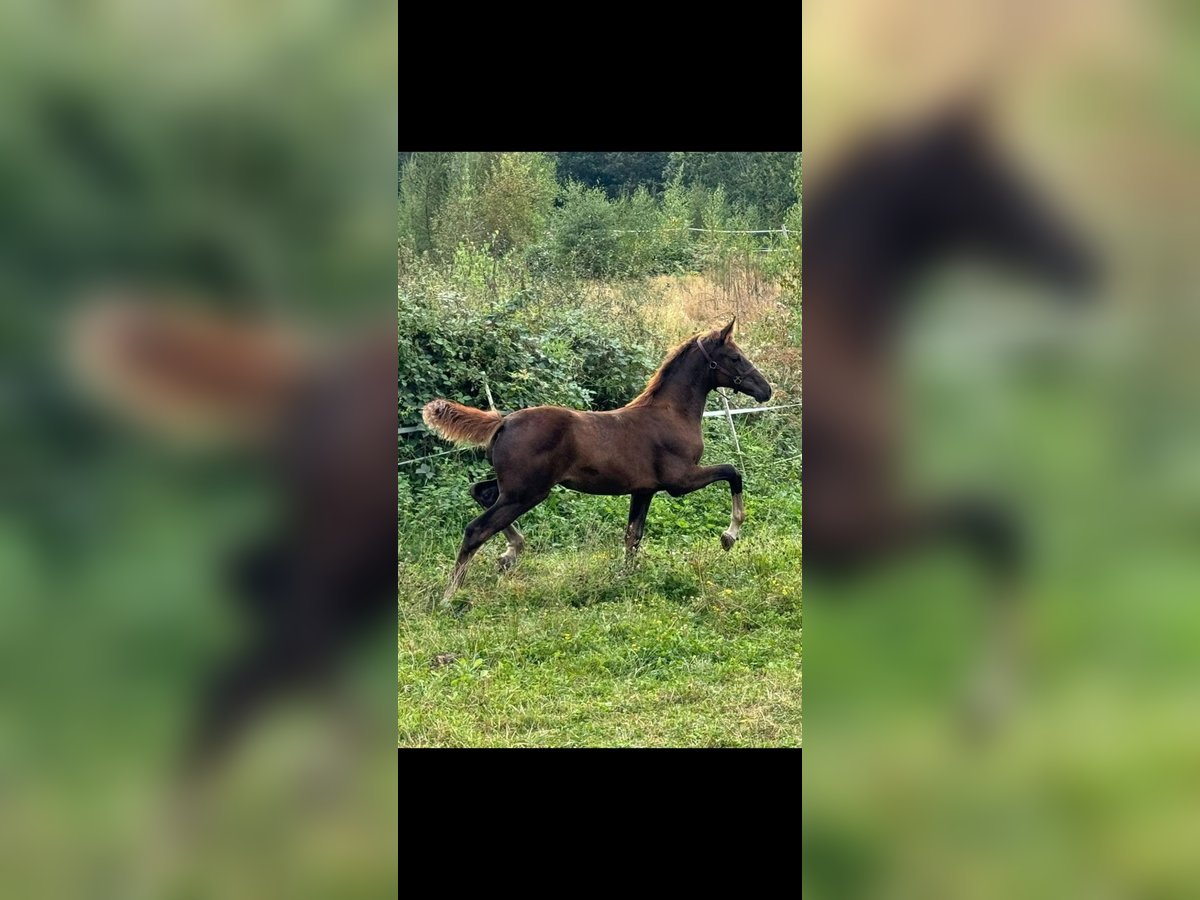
(592, 481)
(610, 477)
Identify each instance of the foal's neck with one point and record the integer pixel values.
(686, 389)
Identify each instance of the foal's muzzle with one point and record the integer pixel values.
(760, 392)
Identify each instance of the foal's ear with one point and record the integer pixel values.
(727, 330)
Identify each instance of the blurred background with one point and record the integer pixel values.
(1081, 417)
(235, 159)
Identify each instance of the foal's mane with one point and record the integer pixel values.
(654, 385)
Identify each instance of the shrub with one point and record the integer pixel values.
(530, 351)
(583, 236)
(633, 236)
(497, 200)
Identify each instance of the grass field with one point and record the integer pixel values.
(689, 647)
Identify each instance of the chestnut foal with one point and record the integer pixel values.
(651, 444)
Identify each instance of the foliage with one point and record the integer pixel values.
(784, 260)
(424, 180)
(762, 181)
(675, 218)
(611, 222)
(498, 200)
(583, 234)
(531, 349)
(632, 237)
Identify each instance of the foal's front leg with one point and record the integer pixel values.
(703, 476)
(736, 518)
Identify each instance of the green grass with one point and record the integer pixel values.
(690, 647)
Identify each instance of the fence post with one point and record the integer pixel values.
(729, 418)
(488, 391)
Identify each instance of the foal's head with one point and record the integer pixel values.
(729, 366)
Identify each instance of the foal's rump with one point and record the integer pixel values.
(526, 447)
(533, 447)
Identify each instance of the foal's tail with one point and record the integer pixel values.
(460, 424)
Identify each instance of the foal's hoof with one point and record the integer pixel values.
(506, 563)
(728, 540)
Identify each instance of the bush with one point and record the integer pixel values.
(583, 236)
(531, 349)
(499, 200)
(631, 237)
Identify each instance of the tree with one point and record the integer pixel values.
(497, 200)
(761, 180)
(617, 174)
(583, 233)
(424, 183)
(515, 200)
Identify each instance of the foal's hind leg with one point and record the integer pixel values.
(506, 511)
(485, 494)
(639, 506)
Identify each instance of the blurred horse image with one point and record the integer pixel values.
(897, 206)
(320, 414)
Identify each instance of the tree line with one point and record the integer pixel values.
(595, 214)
